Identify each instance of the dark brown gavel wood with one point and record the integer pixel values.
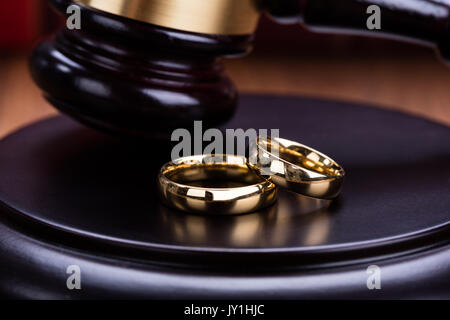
(137, 79)
(425, 21)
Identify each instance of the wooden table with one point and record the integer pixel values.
(418, 84)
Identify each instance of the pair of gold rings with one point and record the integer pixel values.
(230, 184)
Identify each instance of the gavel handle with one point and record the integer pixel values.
(421, 20)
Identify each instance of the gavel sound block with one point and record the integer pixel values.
(73, 196)
(133, 71)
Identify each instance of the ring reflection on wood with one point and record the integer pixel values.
(267, 227)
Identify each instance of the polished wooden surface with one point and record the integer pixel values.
(74, 196)
(415, 83)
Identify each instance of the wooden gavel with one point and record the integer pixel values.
(146, 67)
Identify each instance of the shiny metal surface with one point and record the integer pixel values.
(297, 167)
(224, 17)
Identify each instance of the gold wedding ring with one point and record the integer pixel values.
(229, 184)
(297, 167)
(214, 184)
(220, 17)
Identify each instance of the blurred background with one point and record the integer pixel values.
(287, 60)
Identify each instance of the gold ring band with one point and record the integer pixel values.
(297, 167)
(220, 17)
(213, 185)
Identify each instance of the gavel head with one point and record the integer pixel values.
(145, 67)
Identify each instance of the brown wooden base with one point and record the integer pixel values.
(72, 196)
